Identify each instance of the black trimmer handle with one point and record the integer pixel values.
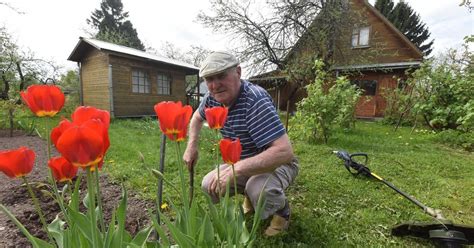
(351, 165)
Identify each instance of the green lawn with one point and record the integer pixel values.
(330, 208)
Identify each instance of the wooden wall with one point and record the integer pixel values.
(385, 44)
(127, 103)
(374, 106)
(94, 77)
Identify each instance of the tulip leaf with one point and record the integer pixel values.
(206, 233)
(121, 214)
(35, 242)
(159, 230)
(140, 239)
(85, 200)
(56, 229)
(181, 238)
(82, 222)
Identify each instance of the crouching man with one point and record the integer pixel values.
(267, 153)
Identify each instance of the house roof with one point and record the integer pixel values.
(381, 66)
(84, 43)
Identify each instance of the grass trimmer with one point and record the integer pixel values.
(443, 232)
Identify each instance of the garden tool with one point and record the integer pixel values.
(443, 232)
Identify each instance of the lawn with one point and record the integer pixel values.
(330, 207)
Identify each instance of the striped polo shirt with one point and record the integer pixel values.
(253, 119)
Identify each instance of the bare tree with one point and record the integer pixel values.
(265, 35)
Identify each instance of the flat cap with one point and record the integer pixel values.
(216, 63)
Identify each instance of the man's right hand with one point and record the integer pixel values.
(190, 156)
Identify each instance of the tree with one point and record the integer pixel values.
(264, 39)
(112, 25)
(405, 19)
(19, 67)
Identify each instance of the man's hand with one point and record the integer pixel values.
(190, 156)
(217, 188)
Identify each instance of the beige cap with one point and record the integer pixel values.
(216, 63)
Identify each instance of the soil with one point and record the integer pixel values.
(14, 195)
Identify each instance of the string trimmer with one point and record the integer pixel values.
(443, 232)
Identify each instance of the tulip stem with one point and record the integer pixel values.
(181, 175)
(217, 160)
(91, 191)
(99, 199)
(235, 185)
(37, 206)
(59, 199)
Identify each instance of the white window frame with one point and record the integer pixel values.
(140, 82)
(360, 37)
(163, 83)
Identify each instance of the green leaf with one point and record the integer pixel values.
(35, 242)
(181, 238)
(56, 229)
(206, 234)
(141, 237)
(121, 214)
(159, 230)
(82, 222)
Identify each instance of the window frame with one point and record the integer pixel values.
(356, 32)
(360, 84)
(159, 78)
(146, 84)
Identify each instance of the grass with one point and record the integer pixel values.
(330, 207)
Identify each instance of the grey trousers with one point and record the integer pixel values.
(274, 190)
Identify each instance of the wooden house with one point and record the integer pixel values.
(126, 81)
(372, 52)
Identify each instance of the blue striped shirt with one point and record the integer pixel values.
(253, 119)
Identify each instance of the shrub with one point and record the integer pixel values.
(456, 139)
(329, 103)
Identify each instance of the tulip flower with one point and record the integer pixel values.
(80, 117)
(43, 100)
(216, 117)
(83, 145)
(230, 150)
(17, 163)
(174, 119)
(85, 113)
(62, 169)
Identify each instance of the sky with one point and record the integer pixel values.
(51, 28)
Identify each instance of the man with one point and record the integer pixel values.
(266, 148)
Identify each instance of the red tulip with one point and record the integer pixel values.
(83, 116)
(230, 150)
(174, 119)
(62, 169)
(43, 100)
(216, 117)
(83, 145)
(17, 163)
(85, 113)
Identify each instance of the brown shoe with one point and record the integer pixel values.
(247, 206)
(277, 225)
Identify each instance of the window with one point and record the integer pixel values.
(140, 83)
(368, 87)
(360, 37)
(164, 84)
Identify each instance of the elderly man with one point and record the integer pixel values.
(266, 149)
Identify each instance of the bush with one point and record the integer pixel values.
(456, 139)
(329, 103)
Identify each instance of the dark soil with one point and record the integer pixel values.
(15, 197)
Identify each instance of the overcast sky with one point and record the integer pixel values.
(51, 28)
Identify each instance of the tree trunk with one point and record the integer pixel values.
(6, 88)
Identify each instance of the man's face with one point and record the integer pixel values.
(225, 86)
